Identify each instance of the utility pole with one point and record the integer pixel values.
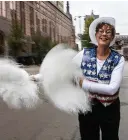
(80, 30)
(79, 18)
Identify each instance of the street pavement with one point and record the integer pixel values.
(123, 133)
(48, 123)
(43, 123)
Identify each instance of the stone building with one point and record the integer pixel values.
(47, 16)
(120, 41)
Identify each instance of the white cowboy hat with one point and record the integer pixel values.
(92, 28)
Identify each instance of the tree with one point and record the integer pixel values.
(42, 45)
(85, 39)
(15, 39)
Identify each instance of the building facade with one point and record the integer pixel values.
(46, 16)
(59, 4)
(120, 41)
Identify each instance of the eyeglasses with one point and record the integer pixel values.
(108, 32)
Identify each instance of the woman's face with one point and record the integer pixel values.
(104, 35)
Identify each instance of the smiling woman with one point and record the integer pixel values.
(104, 33)
(103, 74)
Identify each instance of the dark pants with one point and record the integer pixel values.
(105, 118)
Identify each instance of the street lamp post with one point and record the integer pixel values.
(79, 17)
(80, 32)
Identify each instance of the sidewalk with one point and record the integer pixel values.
(125, 74)
(123, 133)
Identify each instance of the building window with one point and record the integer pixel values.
(31, 20)
(31, 2)
(58, 38)
(1, 39)
(42, 3)
(3, 9)
(54, 35)
(44, 25)
(37, 4)
(1, 43)
(0, 8)
(37, 23)
(57, 3)
(50, 29)
(12, 5)
(22, 16)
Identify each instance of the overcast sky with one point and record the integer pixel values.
(116, 9)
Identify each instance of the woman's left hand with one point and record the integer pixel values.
(79, 81)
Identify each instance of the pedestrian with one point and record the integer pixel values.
(102, 68)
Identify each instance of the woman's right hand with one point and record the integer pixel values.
(78, 81)
(33, 78)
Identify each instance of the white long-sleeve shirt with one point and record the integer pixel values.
(107, 89)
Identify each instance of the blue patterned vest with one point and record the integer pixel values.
(89, 67)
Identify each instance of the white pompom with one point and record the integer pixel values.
(58, 71)
(16, 88)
